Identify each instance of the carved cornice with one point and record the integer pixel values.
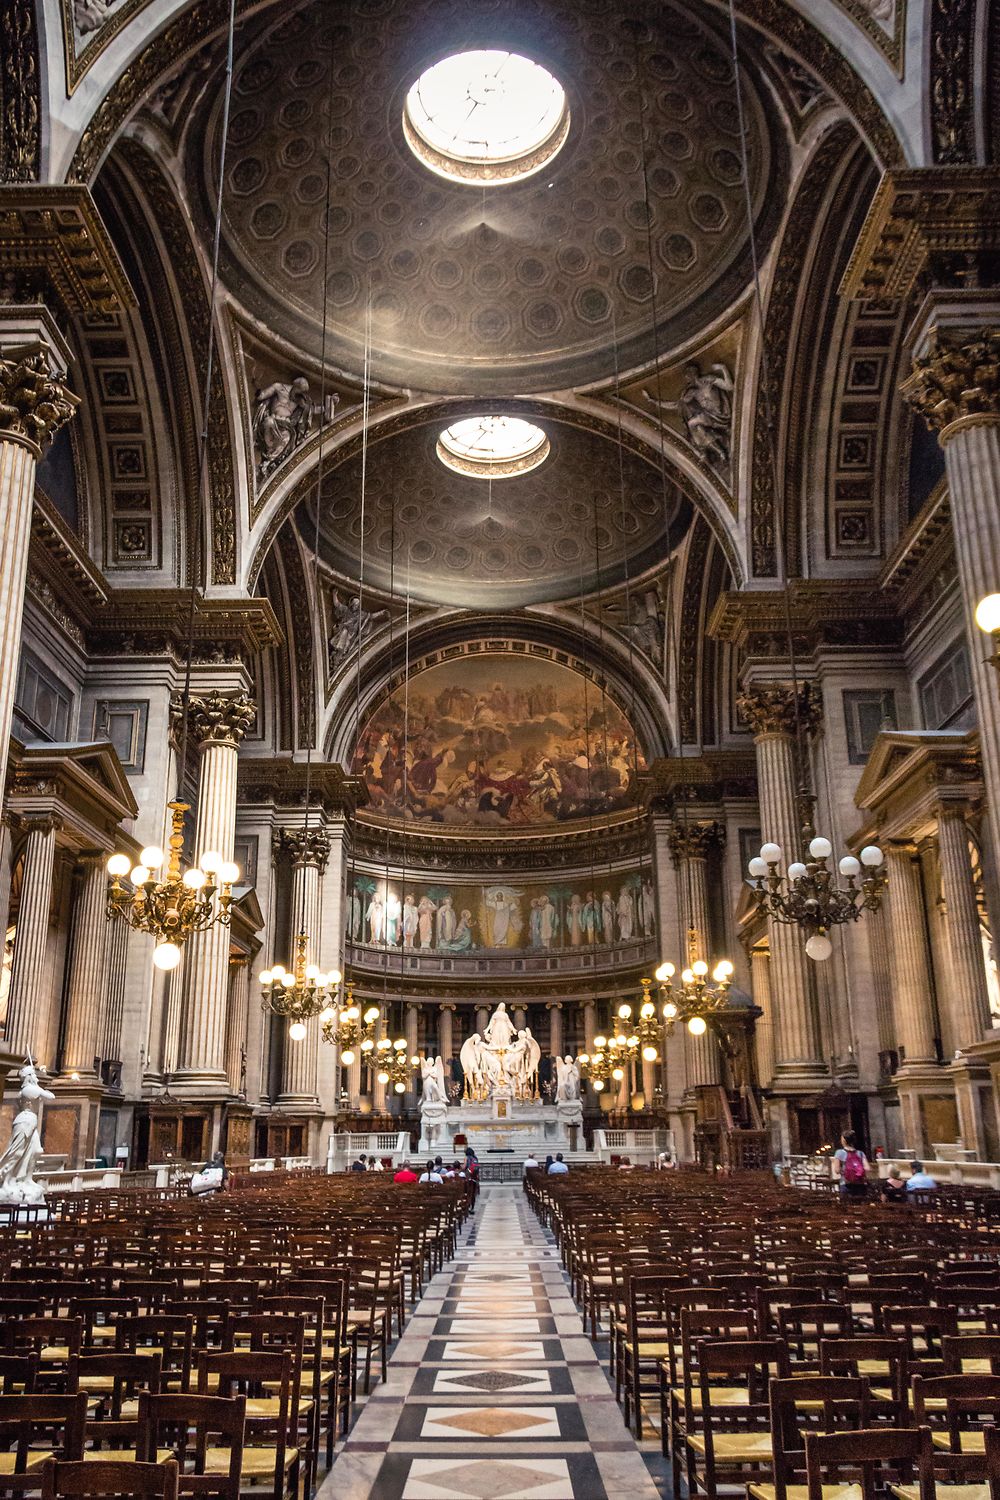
(547, 849)
(848, 614)
(282, 783)
(299, 846)
(711, 777)
(56, 233)
(216, 718)
(956, 380)
(769, 708)
(694, 840)
(34, 403)
(932, 223)
(155, 622)
(910, 777)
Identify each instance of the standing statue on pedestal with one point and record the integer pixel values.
(17, 1164)
(433, 1100)
(500, 1030)
(567, 1079)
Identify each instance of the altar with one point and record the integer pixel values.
(500, 1108)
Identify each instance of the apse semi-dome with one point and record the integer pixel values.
(486, 116)
(510, 287)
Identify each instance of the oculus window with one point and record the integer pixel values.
(493, 447)
(486, 117)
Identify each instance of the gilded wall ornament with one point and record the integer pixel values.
(694, 840)
(20, 135)
(956, 379)
(302, 846)
(33, 403)
(769, 708)
(215, 718)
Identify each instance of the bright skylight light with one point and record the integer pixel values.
(493, 447)
(486, 117)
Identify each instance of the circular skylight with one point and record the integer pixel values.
(486, 117)
(493, 447)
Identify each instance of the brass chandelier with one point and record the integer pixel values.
(808, 894)
(347, 1029)
(301, 994)
(391, 1064)
(182, 902)
(696, 999)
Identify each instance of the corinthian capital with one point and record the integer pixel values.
(215, 718)
(300, 847)
(958, 376)
(34, 403)
(769, 708)
(694, 840)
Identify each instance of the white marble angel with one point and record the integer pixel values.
(567, 1079)
(432, 1076)
(533, 1056)
(470, 1058)
(17, 1164)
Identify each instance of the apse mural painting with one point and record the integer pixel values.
(498, 741)
(609, 909)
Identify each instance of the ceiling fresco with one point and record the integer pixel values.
(498, 742)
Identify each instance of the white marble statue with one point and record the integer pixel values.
(432, 1075)
(533, 1058)
(567, 1079)
(17, 1164)
(470, 1057)
(500, 1030)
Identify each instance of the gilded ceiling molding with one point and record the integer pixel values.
(53, 238)
(89, 26)
(884, 23)
(303, 637)
(20, 106)
(194, 300)
(953, 81)
(779, 338)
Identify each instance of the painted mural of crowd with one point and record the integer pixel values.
(501, 916)
(498, 743)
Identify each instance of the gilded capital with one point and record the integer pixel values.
(302, 847)
(34, 403)
(956, 377)
(215, 718)
(769, 708)
(694, 840)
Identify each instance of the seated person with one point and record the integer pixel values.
(894, 1186)
(430, 1174)
(405, 1174)
(920, 1181)
(558, 1167)
(212, 1177)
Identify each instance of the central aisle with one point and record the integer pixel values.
(494, 1390)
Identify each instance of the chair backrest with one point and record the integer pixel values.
(971, 1353)
(874, 1455)
(951, 1405)
(805, 1325)
(845, 1403)
(61, 1418)
(882, 1361)
(61, 1481)
(186, 1422)
(18, 1373)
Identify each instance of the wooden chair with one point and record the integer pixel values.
(35, 1428)
(186, 1423)
(168, 1335)
(820, 1402)
(68, 1481)
(874, 1456)
(957, 1409)
(734, 1442)
(265, 1381)
(116, 1381)
(680, 1389)
(318, 1408)
(878, 1360)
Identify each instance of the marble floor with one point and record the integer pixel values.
(494, 1389)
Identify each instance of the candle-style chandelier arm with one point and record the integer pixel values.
(694, 998)
(174, 906)
(305, 992)
(808, 894)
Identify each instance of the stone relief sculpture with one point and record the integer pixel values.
(352, 625)
(706, 406)
(282, 416)
(17, 1164)
(640, 619)
(90, 15)
(567, 1080)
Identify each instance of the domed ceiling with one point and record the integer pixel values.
(515, 286)
(465, 541)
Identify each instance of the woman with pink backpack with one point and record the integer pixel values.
(850, 1166)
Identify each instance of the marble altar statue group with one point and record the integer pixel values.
(503, 1061)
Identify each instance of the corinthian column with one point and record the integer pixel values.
(770, 710)
(26, 1026)
(690, 844)
(908, 948)
(968, 1000)
(85, 988)
(309, 852)
(955, 386)
(760, 978)
(554, 1009)
(237, 1022)
(217, 722)
(446, 1041)
(34, 404)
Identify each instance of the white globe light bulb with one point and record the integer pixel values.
(872, 856)
(194, 879)
(725, 967)
(819, 947)
(618, 1074)
(770, 853)
(347, 1057)
(598, 1085)
(600, 1042)
(796, 870)
(400, 1088)
(664, 972)
(312, 970)
(277, 970)
(327, 1015)
(697, 1026)
(229, 872)
(820, 848)
(334, 976)
(687, 976)
(700, 967)
(119, 864)
(988, 614)
(166, 955)
(139, 875)
(669, 1011)
(649, 1054)
(382, 1077)
(265, 976)
(757, 867)
(371, 1014)
(288, 980)
(210, 861)
(152, 856)
(297, 1031)
(849, 865)
(624, 1011)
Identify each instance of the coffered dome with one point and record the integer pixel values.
(476, 286)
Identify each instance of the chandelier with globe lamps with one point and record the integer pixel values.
(695, 999)
(301, 994)
(348, 1029)
(808, 894)
(391, 1064)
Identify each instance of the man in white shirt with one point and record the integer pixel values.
(530, 1161)
(558, 1167)
(919, 1178)
(430, 1174)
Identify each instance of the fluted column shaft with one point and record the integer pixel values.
(690, 845)
(910, 968)
(412, 1034)
(446, 1041)
(85, 986)
(796, 1026)
(218, 722)
(877, 932)
(968, 1000)
(589, 1025)
(378, 1088)
(25, 1024)
(760, 978)
(238, 1020)
(482, 1018)
(520, 1017)
(555, 1028)
(300, 1063)
(110, 1045)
